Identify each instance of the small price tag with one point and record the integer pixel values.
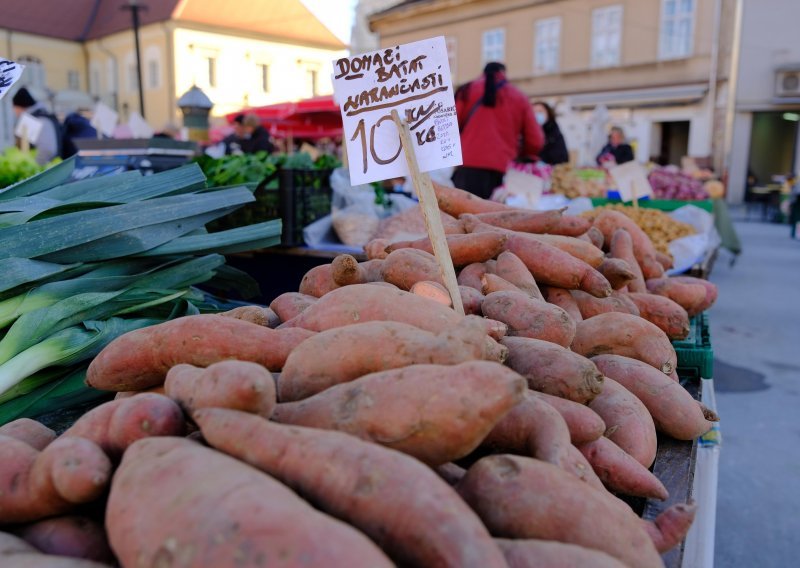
(29, 128)
(104, 119)
(10, 72)
(631, 181)
(412, 78)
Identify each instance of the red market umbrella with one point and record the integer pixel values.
(314, 118)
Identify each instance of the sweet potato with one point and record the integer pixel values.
(664, 260)
(16, 553)
(620, 472)
(35, 434)
(464, 249)
(595, 237)
(609, 221)
(523, 498)
(396, 500)
(405, 267)
(512, 269)
(564, 300)
(327, 358)
(628, 423)
(116, 424)
(621, 248)
(527, 317)
(690, 295)
(521, 220)
(617, 271)
(239, 385)
(141, 358)
(128, 394)
(35, 485)
(667, 315)
(291, 304)
(671, 526)
(591, 306)
(672, 408)
(554, 370)
(535, 429)
(69, 535)
(410, 224)
(472, 300)
(581, 250)
(584, 424)
(318, 281)
(627, 335)
(376, 249)
(471, 275)
(450, 473)
(433, 291)
(570, 226)
(366, 302)
(346, 270)
(258, 315)
(555, 267)
(454, 201)
(455, 407)
(494, 283)
(174, 502)
(711, 289)
(532, 553)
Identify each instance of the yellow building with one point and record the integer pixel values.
(241, 53)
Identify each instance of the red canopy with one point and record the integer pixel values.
(314, 118)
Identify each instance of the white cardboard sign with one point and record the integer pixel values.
(10, 72)
(29, 127)
(139, 127)
(522, 188)
(412, 78)
(631, 180)
(104, 119)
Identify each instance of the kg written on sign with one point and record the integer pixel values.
(413, 79)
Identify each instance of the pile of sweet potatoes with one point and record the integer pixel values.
(361, 421)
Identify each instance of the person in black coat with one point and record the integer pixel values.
(256, 136)
(555, 149)
(617, 151)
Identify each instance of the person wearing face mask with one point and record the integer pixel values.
(555, 149)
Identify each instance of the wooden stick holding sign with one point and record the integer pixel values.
(430, 211)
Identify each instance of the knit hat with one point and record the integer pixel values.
(23, 98)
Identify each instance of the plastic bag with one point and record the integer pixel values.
(354, 214)
(690, 250)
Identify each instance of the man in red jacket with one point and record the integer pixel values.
(497, 126)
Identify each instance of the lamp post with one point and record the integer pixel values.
(135, 8)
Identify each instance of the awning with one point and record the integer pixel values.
(314, 118)
(662, 96)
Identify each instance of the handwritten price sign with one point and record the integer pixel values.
(414, 79)
(10, 73)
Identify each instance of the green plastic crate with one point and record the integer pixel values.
(695, 355)
(665, 205)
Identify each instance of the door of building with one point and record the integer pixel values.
(674, 142)
(773, 141)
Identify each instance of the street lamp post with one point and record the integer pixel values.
(135, 8)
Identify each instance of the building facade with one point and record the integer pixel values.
(661, 69)
(251, 53)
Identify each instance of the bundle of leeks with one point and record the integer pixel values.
(82, 262)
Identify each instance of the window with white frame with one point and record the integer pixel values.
(493, 45)
(312, 80)
(547, 45)
(677, 29)
(211, 71)
(73, 80)
(133, 78)
(263, 77)
(451, 43)
(606, 36)
(153, 74)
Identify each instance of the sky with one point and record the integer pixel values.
(337, 15)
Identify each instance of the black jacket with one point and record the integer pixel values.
(622, 153)
(258, 142)
(555, 149)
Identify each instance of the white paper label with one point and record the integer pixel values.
(523, 188)
(29, 127)
(139, 127)
(413, 79)
(631, 180)
(10, 72)
(104, 119)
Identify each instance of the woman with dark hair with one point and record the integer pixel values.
(555, 149)
(497, 126)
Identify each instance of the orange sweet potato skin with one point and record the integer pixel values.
(627, 335)
(471, 275)
(472, 300)
(522, 498)
(512, 269)
(584, 424)
(318, 281)
(688, 294)
(16, 553)
(711, 290)
(617, 271)
(398, 501)
(35, 434)
(581, 250)
(522, 220)
(454, 201)
(671, 526)
(456, 407)
(564, 300)
(464, 249)
(672, 408)
(239, 385)
(376, 249)
(621, 248)
(254, 314)
(218, 509)
(69, 535)
(620, 472)
(116, 424)
(571, 226)
(35, 485)
(326, 359)
(554, 370)
(494, 283)
(629, 424)
(609, 221)
(532, 553)
(669, 316)
(405, 267)
(527, 317)
(140, 359)
(590, 306)
(291, 304)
